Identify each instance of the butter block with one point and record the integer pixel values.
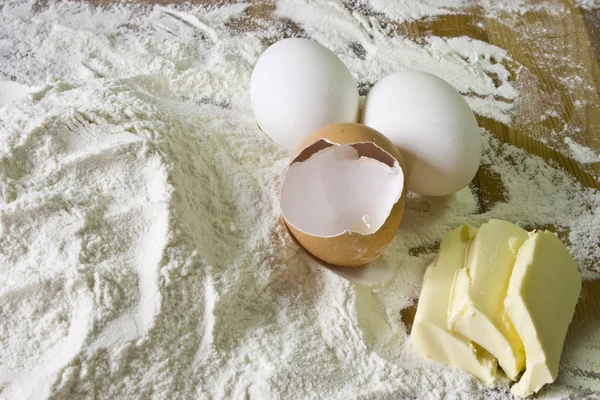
(476, 307)
(542, 294)
(430, 328)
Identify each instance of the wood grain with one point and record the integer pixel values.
(567, 37)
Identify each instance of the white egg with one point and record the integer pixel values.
(433, 127)
(299, 86)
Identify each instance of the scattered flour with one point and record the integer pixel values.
(521, 7)
(141, 247)
(582, 154)
(372, 51)
(588, 4)
(411, 10)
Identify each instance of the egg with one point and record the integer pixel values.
(299, 86)
(433, 127)
(343, 194)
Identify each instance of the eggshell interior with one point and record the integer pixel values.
(341, 188)
(345, 189)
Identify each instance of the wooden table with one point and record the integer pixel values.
(570, 36)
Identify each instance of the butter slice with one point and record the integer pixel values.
(476, 307)
(430, 328)
(542, 294)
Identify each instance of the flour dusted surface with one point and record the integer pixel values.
(141, 249)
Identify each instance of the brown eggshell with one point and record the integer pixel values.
(351, 249)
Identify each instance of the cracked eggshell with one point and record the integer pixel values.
(343, 194)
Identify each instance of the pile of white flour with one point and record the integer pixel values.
(141, 250)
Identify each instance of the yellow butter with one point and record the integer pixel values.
(430, 328)
(542, 294)
(476, 307)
